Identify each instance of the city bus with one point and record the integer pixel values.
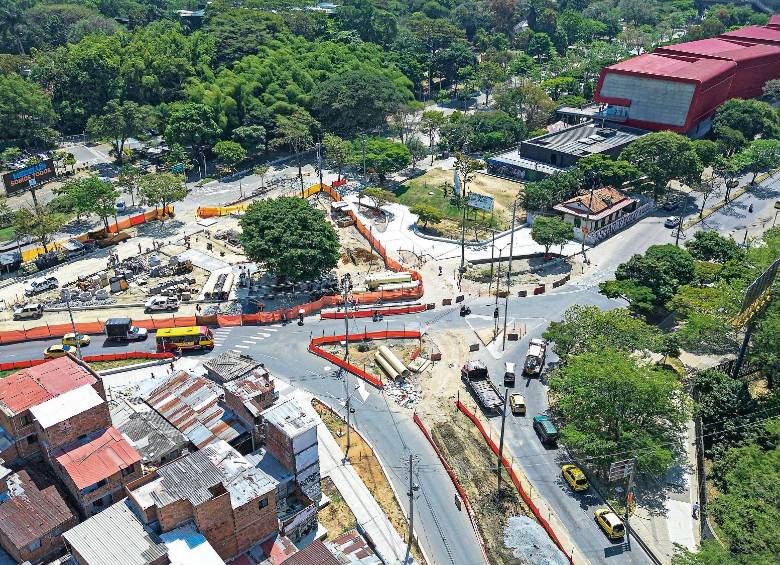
(189, 337)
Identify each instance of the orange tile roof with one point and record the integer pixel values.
(29, 387)
(603, 198)
(98, 458)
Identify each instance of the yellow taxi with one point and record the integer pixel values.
(58, 351)
(575, 477)
(71, 338)
(610, 523)
(517, 402)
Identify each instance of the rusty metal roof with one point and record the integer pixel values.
(29, 511)
(97, 457)
(191, 404)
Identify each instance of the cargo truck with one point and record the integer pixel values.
(475, 374)
(122, 329)
(534, 359)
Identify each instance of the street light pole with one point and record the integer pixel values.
(73, 324)
(346, 282)
(509, 273)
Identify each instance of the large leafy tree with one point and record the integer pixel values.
(709, 245)
(291, 239)
(431, 122)
(549, 231)
(238, 32)
(664, 157)
(435, 35)
(296, 133)
(40, 223)
(230, 154)
(758, 156)
(161, 189)
(601, 170)
(766, 346)
(382, 156)
(338, 152)
(119, 122)
(192, 125)
(751, 118)
(609, 403)
(358, 100)
(589, 329)
(528, 102)
(26, 111)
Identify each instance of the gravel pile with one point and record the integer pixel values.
(530, 543)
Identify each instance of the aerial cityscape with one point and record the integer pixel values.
(442, 282)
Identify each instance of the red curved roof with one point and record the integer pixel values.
(755, 34)
(690, 69)
(720, 48)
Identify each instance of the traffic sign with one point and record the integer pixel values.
(620, 469)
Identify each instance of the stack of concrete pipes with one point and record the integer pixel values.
(390, 363)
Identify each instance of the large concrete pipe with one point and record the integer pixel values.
(394, 361)
(392, 373)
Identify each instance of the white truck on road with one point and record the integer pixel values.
(534, 359)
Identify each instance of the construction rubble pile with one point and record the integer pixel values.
(530, 542)
(226, 309)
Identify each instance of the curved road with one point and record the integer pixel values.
(443, 531)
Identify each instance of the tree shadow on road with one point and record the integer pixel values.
(160, 229)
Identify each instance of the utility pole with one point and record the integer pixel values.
(509, 273)
(462, 268)
(72, 323)
(682, 220)
(501, 446)
(590, 207)
(412, 489)
(630, 499)
(319, 160)
(742, 350)
(492, 257)
(363, 144)
(498, 287)
(346, 283)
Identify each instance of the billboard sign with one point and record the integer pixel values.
(29, 176)
(620, 469)
(480, 201)
(757, 295)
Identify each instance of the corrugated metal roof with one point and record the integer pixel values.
(66, 405)
(31, 512)
(289, 417)
(757, 34)
(314, 554)
(249, 386)
(97, 457)
(191, 404)
(148, 432)
(32, 386)
(675, 67)
(114, 536)
(230, 365)
(192, 477)
(723, 48)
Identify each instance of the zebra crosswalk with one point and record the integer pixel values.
(221, 335)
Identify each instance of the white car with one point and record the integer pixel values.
(672, 221)
(42, 284)
(161, 304)
(28, 312)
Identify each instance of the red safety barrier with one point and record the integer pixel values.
(330, 339)
(390, 311)
(228, 321)
(455, 483)
(527, 499)
(340, 182)
(19, 365)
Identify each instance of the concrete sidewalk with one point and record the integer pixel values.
(389, 544)
(662, 528)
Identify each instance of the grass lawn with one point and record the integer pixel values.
(7, 234)
(429, 189)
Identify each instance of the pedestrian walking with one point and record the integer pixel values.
(695, 510)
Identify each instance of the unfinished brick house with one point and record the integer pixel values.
(33, 516)
(230, 501)
(29, 387)
(247, 396)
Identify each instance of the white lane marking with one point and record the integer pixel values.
(252, 341)
(242, 346)
(261, 335)
(272, 329)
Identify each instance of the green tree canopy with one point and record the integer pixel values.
(664, 157)
(758, 157)
(549, 231)
(709, 245)
(290, 239)
(161, 189)
(662, 268)
(26, 111)
(119, 122)
(589, 329)
(338, 152)
(230, 154)
(751, 118)
(382, 156)
(427, 214)
(609, 403)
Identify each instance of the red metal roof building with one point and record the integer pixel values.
(679, 87)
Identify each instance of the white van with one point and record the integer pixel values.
(161, 304)
(39, 285)
(28, 312)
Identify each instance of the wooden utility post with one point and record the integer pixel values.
(411, 509)
(630, 499)
(501, 445)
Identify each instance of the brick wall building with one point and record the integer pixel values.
(230, 502)
(247, 397)
(97, 468)
(33, 516)
(29, 387)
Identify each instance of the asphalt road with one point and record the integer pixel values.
(443, 531)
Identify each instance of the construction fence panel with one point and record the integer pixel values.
(515, 480)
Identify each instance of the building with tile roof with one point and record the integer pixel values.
(191, 404)
(316, 553)
(33, 516)
(96, 468)
(596, 209)
(21, 391)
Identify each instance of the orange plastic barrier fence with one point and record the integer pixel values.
(328, 339)
(18, 365)
(455, 482)
(527, 499)
(138, 219)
